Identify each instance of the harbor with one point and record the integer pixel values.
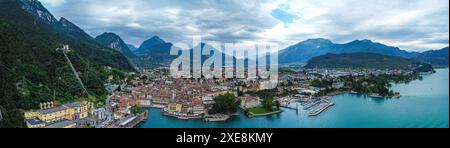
(323, 105)
(315, 106)
(350, 111)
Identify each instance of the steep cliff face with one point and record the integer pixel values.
(32, 71)
(114, 41)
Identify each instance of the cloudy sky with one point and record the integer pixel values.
(414, 25)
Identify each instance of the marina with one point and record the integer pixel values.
(322, 108)
(412, 109)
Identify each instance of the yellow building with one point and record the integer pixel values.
(172, 107)
(178, 108)
(78, 110)
(175, 107)
(66, 112)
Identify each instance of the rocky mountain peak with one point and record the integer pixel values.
(38, 11)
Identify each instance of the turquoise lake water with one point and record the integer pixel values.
(424, 104)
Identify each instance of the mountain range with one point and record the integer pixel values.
(113, 41)
(434, 57)
(33, 71)
(363, 60)
(157, 49)
(154, 52)
(304, 51)
(157, 52)
(150, 43)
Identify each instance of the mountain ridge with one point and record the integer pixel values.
(363, 60)
(112, 40)
(305, 50)
(155, 40)
(154, 52)
(435, 57)
(33, 71)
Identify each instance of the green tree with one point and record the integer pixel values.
(269, 103)
(136, 110)
(277, 104)
(225, 104)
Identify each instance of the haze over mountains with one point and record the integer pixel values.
(158, 49)
(156, 52)
(434, 57)
(132, 47)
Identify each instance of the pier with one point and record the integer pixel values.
(323, 108)
(216, 118)
(309, 105)
(289, 106)
(181, 117)
(130, 121)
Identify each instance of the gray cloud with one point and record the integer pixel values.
(409, 24)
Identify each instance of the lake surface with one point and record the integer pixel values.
(424, 104)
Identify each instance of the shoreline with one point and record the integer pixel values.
(375, 96)
(180, 117)
(140, 119)
(367, 95)
(253, 115)
(285, 120)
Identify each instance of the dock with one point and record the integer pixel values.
(289, 106)
(133, 121)
(323, 108)
(307, 106)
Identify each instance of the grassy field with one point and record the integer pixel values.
(258, 110)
